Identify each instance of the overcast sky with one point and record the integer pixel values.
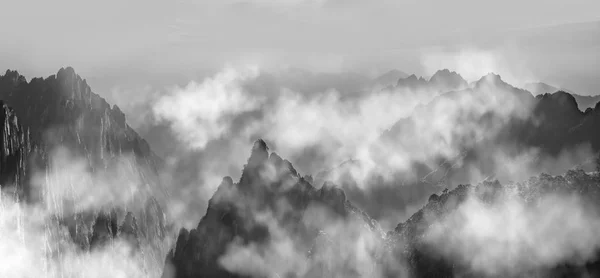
(112, 42)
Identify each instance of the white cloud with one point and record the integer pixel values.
(201, 112)
(511, 236)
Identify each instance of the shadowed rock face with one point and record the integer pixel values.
(62, 110)
(270, 185)
(15, 148)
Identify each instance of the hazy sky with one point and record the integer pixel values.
(112, 42)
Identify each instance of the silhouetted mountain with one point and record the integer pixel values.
(269, 185)
(412, 82)
(583, 102)
(442, 81)
(447, 80)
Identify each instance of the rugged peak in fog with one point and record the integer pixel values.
(12, 77)
(269, 186)
(490, 79)
(583, 102)
(448, 79)
(442, 81)
(259, 150)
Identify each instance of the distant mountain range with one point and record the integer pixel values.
(583, 102)
(441, 81)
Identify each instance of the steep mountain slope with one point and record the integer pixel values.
(61, 110)
(14, 152)
(47, 116)
(270, 200)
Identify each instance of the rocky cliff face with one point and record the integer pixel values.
(15, 148)
(62, 111)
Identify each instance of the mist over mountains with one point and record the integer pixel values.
(300, 174)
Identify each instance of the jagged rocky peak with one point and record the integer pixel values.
(411, 77)
(412, 81)
(448, 79)
(13, 77)
(63, 110)
(269, 186)
(442, 81)
(561, 105)
(260, 153)
(561, 97)
(490, 79)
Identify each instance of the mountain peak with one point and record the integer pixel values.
(490, 79)
(444, 73)
(448, 79)
(259, 154)
(13, 77)
(67, 75)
